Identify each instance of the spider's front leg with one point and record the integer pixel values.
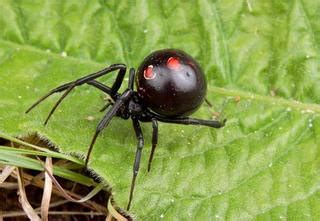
(120, 100)
(107, 118)
(89, 79)
(137, 159)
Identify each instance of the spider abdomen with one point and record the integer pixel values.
(171, 83)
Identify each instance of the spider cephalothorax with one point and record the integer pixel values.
(170, 86)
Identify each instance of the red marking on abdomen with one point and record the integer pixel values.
(148, 73)
(173, 63)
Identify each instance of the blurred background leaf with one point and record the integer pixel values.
(261, 59)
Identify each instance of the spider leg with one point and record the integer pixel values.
(208, 102)
(193, 121)
(154, 141)
(86, 79)
(55, 90)
(113, 91)
(107, 118)
(117, 83)
(109, 102)
(63, 87)
(58, 102)
(101, 87)
(136, 164)
(131, 78)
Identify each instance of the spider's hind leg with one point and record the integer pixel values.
(154, 141)
(192, 121)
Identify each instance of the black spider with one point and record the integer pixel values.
(170, 86)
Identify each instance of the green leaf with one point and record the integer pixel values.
(13, 157)
(261, 59)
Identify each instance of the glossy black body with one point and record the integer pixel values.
(170, 86)
(175, 90)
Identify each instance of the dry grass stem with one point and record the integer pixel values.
(6, 172)
(114, 212)
(47, 190)
(31, 213)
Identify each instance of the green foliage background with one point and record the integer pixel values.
(264, 165)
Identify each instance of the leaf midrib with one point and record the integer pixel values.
(294, 104)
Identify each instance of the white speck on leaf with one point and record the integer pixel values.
(309, 111)
(90, 118)
(63, 54)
